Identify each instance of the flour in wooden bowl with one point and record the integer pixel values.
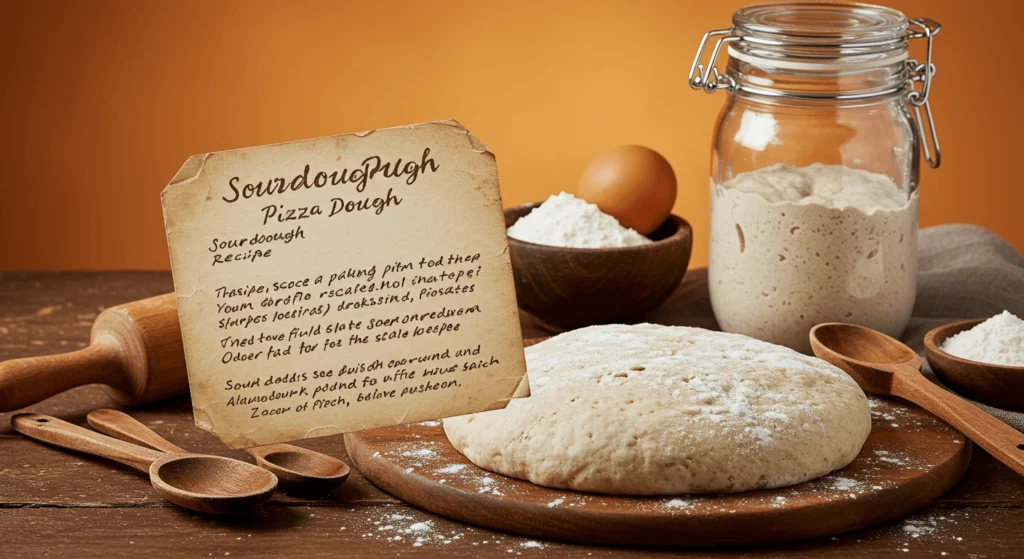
(999, 340)
(566, 221)
(663, 410)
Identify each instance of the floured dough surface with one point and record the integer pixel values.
(664, 410)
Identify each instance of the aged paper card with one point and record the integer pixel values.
(343, 283)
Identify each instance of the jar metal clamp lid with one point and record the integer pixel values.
(822, 37)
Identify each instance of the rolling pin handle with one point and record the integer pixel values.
(24, 382)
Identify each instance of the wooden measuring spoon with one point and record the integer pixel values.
(293, 465)
(882, 365)
(297, 466)
(211, 484)
(135, 350)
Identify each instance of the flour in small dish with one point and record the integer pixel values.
(999, 341)
(566, 221)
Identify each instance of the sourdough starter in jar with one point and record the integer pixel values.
(792, 247)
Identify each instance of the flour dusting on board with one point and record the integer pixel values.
(430, 458)
(438, 462)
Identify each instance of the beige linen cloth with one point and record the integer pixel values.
(965, 271)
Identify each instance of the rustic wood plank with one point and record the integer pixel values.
(51, 312)
(369, 531)
(57, 476)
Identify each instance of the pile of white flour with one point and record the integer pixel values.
(566, 221)
(999, 341)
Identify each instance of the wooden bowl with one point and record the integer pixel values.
(573, 287)
(1001, 386)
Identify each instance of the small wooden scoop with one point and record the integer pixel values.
(211, 484)
(882, 365)
(293, 465)
(135, 350)
(1001, 386)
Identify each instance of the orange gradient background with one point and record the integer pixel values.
(104, 100)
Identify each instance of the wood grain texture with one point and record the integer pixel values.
(996, 385)
(572, 287)
(882, 365)
(354, 532)
(417, 464)
(87, 507)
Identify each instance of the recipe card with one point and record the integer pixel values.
(343, 283)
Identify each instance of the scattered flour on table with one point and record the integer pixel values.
(938, 529)
(414, 529)
(566, 221)
(999, 341)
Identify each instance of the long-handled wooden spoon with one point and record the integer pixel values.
(293, 465)
(882, 365)
(211, 484)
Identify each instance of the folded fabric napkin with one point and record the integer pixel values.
(965, 271)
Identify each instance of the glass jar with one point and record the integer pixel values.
(814, 168)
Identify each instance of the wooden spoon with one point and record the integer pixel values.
(211, 484)
(882, 365)
(292, 465)
(1001, 386)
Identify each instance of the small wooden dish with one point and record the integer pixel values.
(1001, 386)
(573, 287)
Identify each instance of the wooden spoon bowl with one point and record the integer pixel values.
(1001, 386)
(573, 287)
(296, 466)
(211, 484)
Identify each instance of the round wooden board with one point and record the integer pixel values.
(909, 460)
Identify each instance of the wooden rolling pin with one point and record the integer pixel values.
(135, 351)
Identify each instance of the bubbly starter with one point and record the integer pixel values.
(793, 247)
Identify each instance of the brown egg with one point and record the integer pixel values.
(633, 184)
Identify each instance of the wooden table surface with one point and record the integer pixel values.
(56, 503)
